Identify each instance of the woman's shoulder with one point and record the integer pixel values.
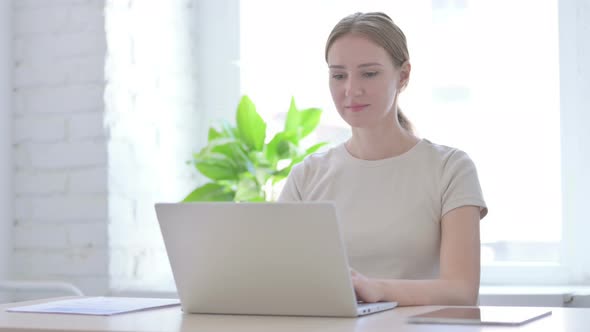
(324, 157)
(320, 160)
(443, 153)
(447, 158)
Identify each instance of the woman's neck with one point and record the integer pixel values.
(380, 142)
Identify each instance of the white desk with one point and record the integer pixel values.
(172, 319)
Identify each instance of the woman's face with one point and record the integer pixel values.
(363, 81)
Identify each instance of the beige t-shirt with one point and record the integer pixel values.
(390, 210)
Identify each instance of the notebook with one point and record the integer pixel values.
(101, 306)
(260, 258)
(481, 315)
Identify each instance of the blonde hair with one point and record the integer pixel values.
(380, 29)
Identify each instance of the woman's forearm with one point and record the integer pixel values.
(428, 292)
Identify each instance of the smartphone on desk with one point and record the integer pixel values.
(480, 316)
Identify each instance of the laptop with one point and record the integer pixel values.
(260, 259)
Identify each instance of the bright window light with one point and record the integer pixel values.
(485, 79)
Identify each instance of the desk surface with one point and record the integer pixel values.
(172, 319)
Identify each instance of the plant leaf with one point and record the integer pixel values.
(314, 148)
(271, 148)
(234, 150)
(248, 189)
(301, 155)
(263, 174)
(210, 192)
(310, 118)
(228, 131)
(213, 134)
(278, 147)
(284, 149)
(251, 127)
(218, 143)
(284, 172)
(217, 166)
(238, 161)
(280, 175)
(293, 120)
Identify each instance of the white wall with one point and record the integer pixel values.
(218, 26)
(574, 39)
(6, 197)
(152, 115)
(92, 156)
(60, 155)
(158, 108)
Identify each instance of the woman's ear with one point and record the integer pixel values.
(404, 76)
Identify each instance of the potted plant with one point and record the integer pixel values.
(242, 165)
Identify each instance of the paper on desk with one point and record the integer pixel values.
(102, 306)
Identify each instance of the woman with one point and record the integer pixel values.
(409, 209)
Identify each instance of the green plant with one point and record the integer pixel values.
(242, 165)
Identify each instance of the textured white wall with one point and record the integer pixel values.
(150, 107)
(6, 195)
(60, 149)
(157, 109)
(93, 155)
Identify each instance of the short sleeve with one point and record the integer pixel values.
(291, 190)
(460, 184)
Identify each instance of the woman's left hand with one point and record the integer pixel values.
(366, 289)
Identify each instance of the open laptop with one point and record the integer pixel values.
(260, 258)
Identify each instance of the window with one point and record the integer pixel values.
(474, 86)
